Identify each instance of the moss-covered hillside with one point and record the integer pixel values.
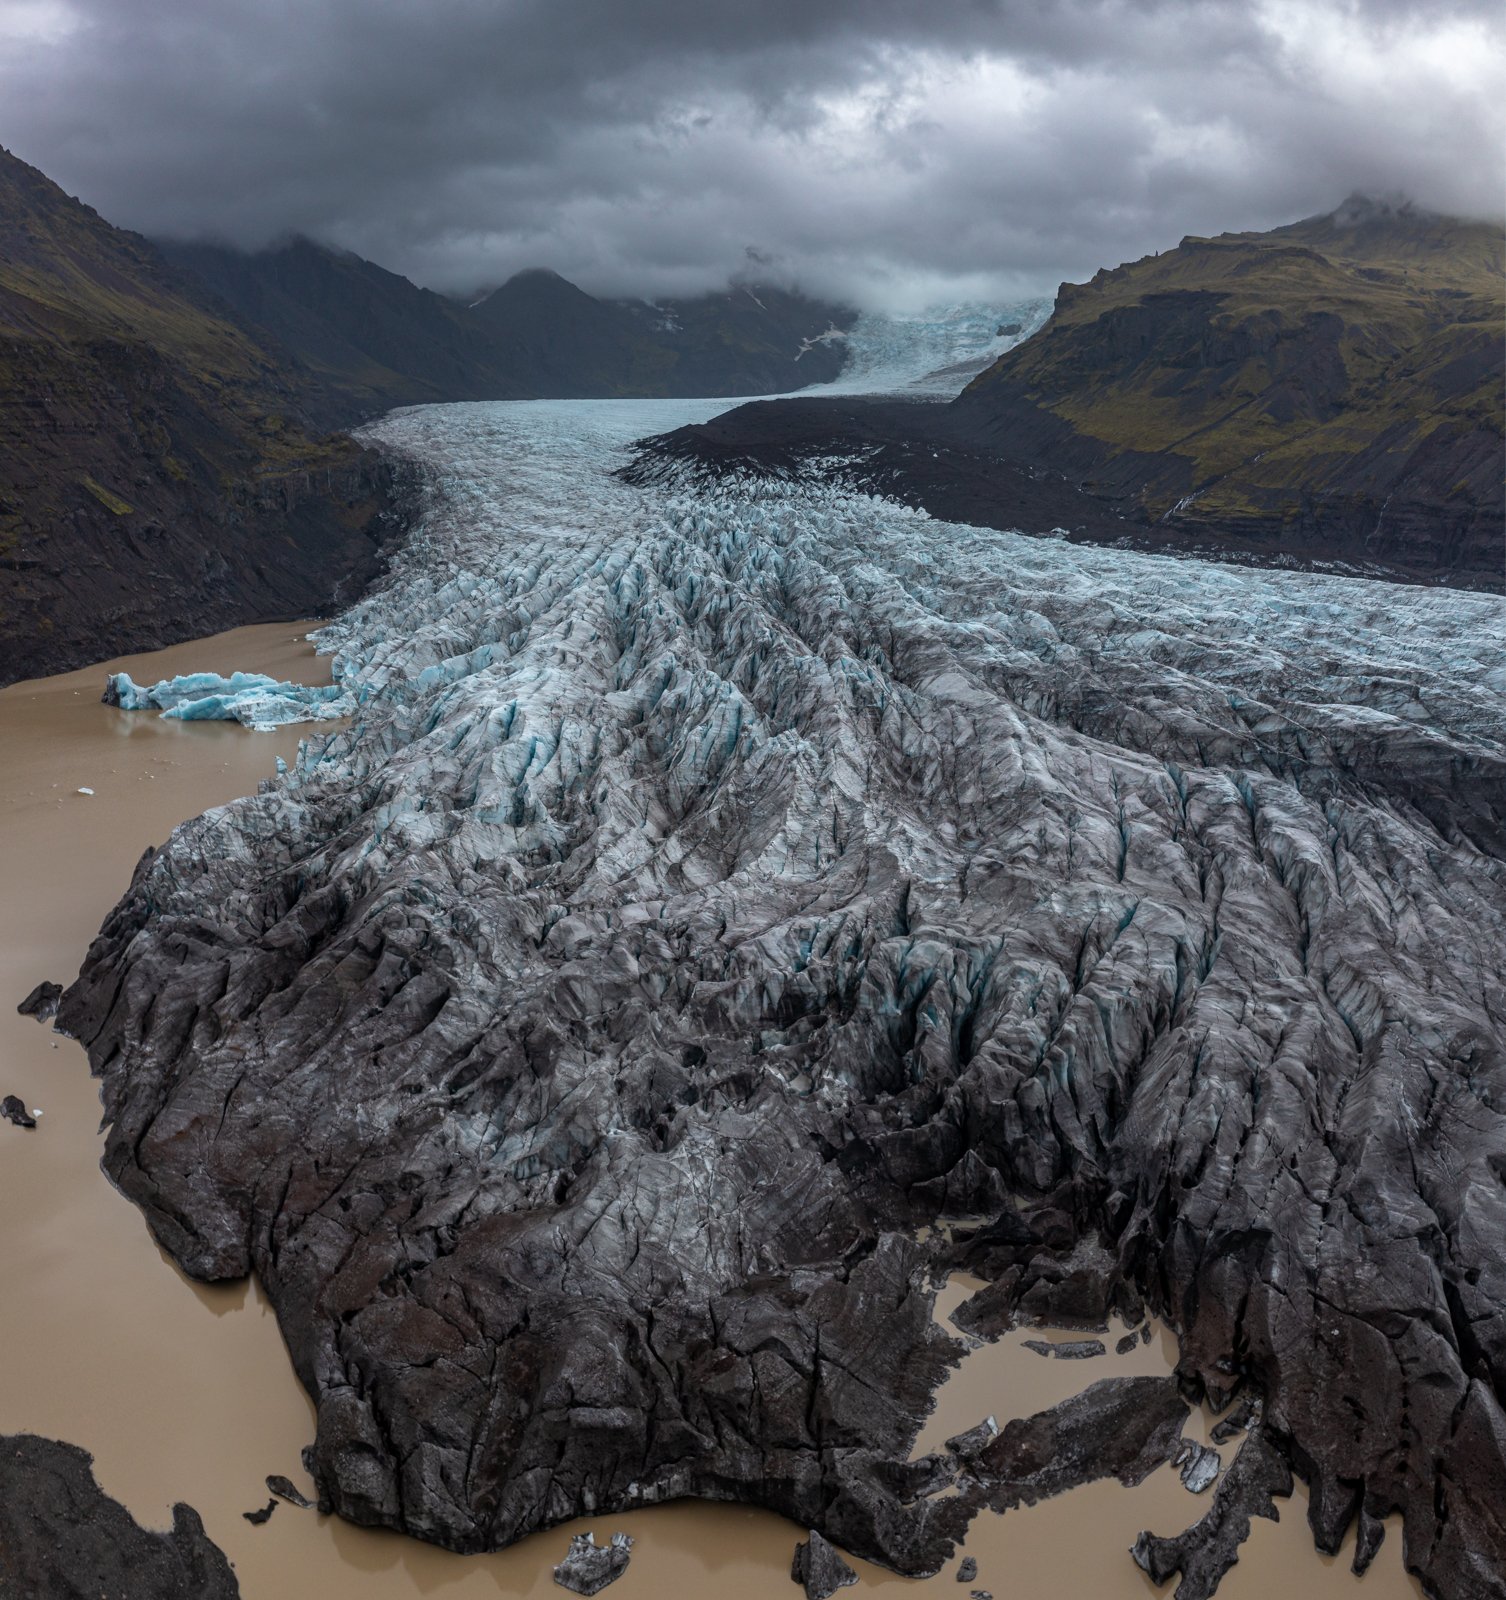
(1336, 382)
(155, 479)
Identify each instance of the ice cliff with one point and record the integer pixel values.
(715, 888)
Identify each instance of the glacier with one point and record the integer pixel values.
(253, 699)
(718, 885)
(931, 353)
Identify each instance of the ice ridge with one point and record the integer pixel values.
(714, 887)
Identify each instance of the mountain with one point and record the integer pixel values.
(749, 339)
(1328, 393)
(159, 481)
(163, 411)
(1337, 382)
(369, 339)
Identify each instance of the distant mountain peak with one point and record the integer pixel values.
(1359, 208)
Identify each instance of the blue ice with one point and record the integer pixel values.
(251, 698)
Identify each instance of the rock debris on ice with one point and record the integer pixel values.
(715, 888)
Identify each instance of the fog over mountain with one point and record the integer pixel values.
(884, 150)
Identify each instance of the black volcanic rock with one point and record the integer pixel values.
(13, 1109)
(286, 1489)
(42, 1002)
(1120, 1427)
(63, 1538)
(589, 1567)
(820, 1568)
(582, 1046)
(1206, 1551)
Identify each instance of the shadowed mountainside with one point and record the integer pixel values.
(158, 480)
(1338, 381)
(373, 340)
(1326, 393)
(369, 338)
(162, 412)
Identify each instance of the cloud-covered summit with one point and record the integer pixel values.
(886, 149)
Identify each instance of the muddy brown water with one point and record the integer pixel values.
(185, 1392)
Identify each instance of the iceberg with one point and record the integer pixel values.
(253, 699)
(717, 886)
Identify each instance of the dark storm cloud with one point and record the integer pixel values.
(886, 148)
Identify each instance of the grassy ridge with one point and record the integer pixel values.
(155, 477)
(1314, 371)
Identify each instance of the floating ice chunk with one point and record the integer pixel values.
(589, 1567)
(86, 791)
(250, 698)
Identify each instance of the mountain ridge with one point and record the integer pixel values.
(162, 480)
(1341, 369)
(170, 415)
(1326, 393)
(371, 339)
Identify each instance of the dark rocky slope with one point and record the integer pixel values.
(157, 482)
(166, 470)
(370, 339)
(1327, 393)
(751, 339)
(718, 889)
(63, 1538)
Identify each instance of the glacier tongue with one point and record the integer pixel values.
(715, 888)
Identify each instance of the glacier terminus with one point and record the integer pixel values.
(717, 884)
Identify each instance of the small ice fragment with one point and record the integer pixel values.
(1199, 1465)
(589, 1567)
(86, 791)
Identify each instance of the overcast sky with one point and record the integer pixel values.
(891, 150)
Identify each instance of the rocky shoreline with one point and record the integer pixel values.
(929, 457)
(302, 544)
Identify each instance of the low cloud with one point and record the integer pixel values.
(891, 152)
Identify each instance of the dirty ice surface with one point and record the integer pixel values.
(1151, 861)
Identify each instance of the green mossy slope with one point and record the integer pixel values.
(1337, 382)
